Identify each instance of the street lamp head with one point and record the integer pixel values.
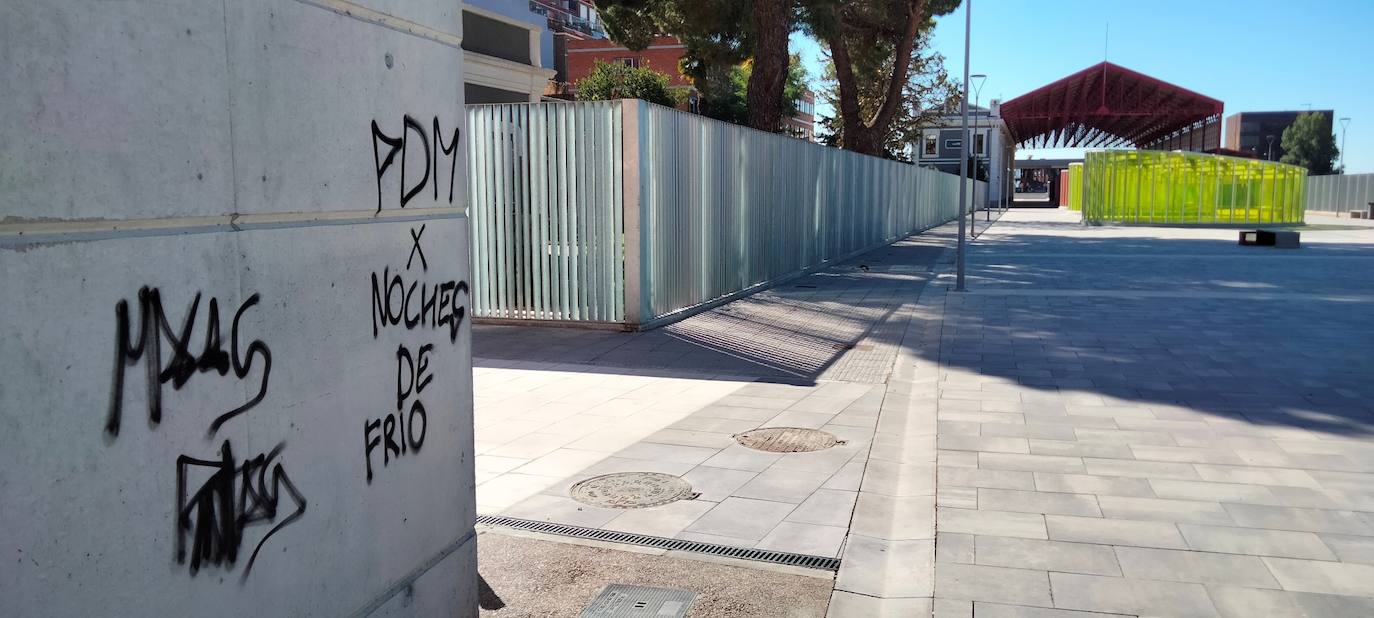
(1345, 122)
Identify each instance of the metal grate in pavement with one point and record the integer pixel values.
(742, 553)
(624, 601)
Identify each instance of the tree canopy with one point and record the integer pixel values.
(609, 81)
(729, 103)
(1309, 143)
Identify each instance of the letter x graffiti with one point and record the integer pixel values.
(415, 248)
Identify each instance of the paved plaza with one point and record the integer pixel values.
(1112, 421)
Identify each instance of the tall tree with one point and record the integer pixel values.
(1309, 143)
(728, 103)
(719, 35)
(928, 94)
(871, 46)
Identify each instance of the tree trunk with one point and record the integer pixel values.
(860, 134)
(769, 76)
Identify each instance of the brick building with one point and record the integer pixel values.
(662, 55)
(569, 21)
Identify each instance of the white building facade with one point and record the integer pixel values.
(940, 146)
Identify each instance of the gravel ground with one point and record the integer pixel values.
(525, 576)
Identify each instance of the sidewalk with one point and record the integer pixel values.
(1131, 421)
(1155, 421)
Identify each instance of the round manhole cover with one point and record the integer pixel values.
(631, 490)
(787, 439)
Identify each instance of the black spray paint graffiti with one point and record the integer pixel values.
(231, 499)
(183, 364)
(394, 145)
(438, 306)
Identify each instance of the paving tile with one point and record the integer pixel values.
(995, 610)
(1256, 476)
(685, 437)
(1045, 555)
(737, 457)
(954, 547)
(978, 477)
(1030, 463)
(561, 510)
(893, 518)
(507, 489)
(742, 518)
(1255, 542)
(808, 539)
(1037, 502)
(1079, 449)
(668, 452)
(782, 485)
(562, 462)
(826, 507)
(1130, 596)
(1194, 566)
(894, 479)
(993, 584)
(1308, 520)
(767, 403)
(1141, 469)
(950, 608)
(958, 459)
(849, 477)
(1042, 431)
(990, 444)
(498, 465)
(1089, 484)
(790, 418)
(736, 413)
(957, 497)
(1234, 602)
(993, 523)
(1218, 492)
(1121, 507)
(850, 605)
(1349, 548)
(666, 521)
(715, 425)
(1323, 577)
(1114, 531)
(717, 484)
(887, 568)
(827, 461)
(823, 405)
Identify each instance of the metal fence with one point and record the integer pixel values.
(630, 213)
(1340, 194)
(544, 199)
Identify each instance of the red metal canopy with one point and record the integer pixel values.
(1104, 105)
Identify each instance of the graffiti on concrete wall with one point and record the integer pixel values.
(407, 298)
(228, 496)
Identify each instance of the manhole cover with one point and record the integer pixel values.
(631, 490)
(622, 601)
(787, 439)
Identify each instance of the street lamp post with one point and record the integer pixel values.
(1345, 124)
(1270, 155)
(963, 159)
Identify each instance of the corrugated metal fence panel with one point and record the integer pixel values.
(1340, 193)
(544, 199)
(725, 207)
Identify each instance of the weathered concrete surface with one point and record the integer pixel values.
(191, 210)
(527, 576)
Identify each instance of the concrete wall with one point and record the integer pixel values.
(213, 351)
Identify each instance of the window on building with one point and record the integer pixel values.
(931, 148)
(629, 61)
(978, 144)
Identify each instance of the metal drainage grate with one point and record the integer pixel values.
(742, 553)
(787, 439)
(624, 601)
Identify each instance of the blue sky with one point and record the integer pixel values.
(1257, 55)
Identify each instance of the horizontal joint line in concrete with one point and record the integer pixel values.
(410, 577)
(41, 232)
(364, 14)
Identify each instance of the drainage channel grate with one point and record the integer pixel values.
(741, 553)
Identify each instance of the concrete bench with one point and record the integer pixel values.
(1270, 238)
